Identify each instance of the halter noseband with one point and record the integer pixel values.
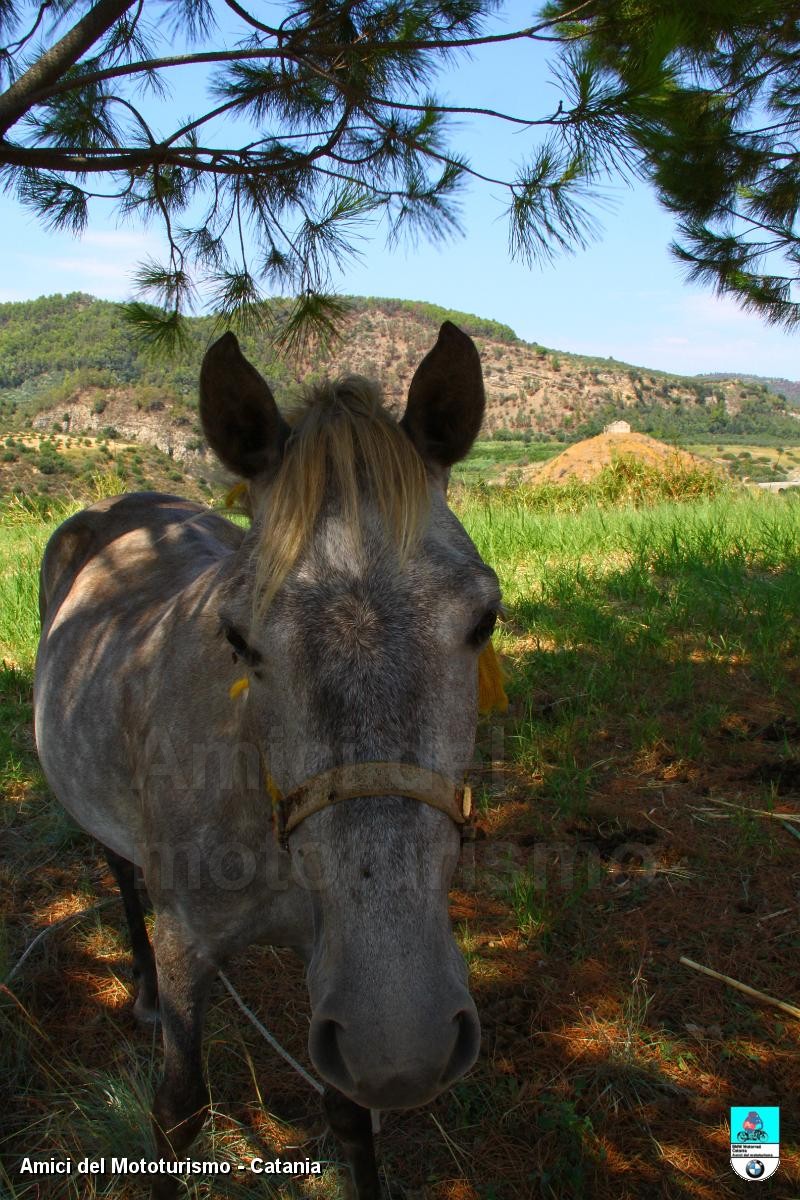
(354, 780)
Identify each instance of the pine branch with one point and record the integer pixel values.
(292, 54)
(15, 47)
(82, 162)
(142, 67)
(341, 127)
(22, 95)
(249, 18)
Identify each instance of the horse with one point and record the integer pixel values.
(272, 726)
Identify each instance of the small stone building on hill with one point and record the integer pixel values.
(617, 427)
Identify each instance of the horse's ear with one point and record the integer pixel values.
(239, 414)
(446, 399)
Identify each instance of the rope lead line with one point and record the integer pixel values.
(375, 1113)
(265, 1033)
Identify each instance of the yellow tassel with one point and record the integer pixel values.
(274, 792)
(237, 492)
(239, 686)
(491, 677)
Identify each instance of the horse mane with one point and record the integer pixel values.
(344, 444)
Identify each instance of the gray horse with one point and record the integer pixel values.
(206, 697)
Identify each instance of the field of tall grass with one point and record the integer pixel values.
(626, 817)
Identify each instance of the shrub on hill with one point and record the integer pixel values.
(469, 322)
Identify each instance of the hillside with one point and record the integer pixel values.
(70, 368)
(789, 388)
(52, 465)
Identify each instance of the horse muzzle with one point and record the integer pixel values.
(388, 1064)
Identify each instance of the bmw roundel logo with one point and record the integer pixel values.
(755, 1168)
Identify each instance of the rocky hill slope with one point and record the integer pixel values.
(68, 365)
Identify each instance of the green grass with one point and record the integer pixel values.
(20, 555)
(636, 615)
(488, 458)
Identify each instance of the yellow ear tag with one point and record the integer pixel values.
(237, 492)
(239, 686)
(491, 677)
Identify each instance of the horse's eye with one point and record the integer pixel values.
(485, 628)
(240, 646)
(236, 640)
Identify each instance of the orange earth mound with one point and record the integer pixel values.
(586, 459)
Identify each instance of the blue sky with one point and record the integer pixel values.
(623, 297)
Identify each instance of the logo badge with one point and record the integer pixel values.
(755, 1141)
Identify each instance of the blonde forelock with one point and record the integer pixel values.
(343, 445)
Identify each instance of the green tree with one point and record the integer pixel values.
(329, 120)
(718, 133)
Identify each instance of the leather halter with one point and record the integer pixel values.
(351, 781)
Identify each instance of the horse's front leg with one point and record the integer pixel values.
(181, 1102)
(352, 1126)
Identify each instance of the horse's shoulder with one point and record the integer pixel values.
(168, 521)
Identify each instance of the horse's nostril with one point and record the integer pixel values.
(396, 1067)
(468, 1043)
(323, 1046)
